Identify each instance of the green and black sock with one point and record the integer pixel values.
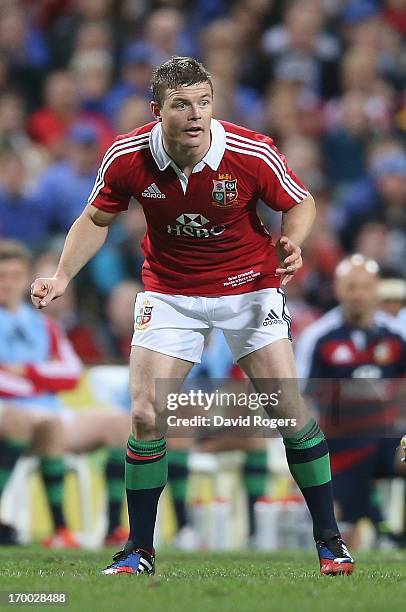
(10, 452)
(115, 477)
(53, 473)
(309, 463)
(255, 474)
(146, 473)
(178, 473)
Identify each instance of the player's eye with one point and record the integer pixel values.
(180, 105)
(204, 103)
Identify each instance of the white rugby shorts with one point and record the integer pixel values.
(177, 325)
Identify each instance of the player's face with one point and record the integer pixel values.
(14, 279)
(186, 114)
(357, 293)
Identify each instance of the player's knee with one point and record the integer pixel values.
(143, 418)
(16, 424)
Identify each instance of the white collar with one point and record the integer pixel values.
(212, 158)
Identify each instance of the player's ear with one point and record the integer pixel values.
(155, 110)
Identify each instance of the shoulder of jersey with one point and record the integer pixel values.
(133, 143)
(253, 146)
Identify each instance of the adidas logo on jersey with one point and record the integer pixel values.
(153, 192)
(272, 318)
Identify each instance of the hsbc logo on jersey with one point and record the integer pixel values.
(195, 226)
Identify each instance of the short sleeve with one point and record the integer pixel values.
(278, 185)
(108, 193)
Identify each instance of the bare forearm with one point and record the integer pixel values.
(84, 239)
(298, 221)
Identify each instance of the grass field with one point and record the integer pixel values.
(217, 582)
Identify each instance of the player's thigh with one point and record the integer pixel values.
(272, 372)
(275, 360)
(153, 375)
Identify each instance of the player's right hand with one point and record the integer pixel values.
(44, 290)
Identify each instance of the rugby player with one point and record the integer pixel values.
(209, 262)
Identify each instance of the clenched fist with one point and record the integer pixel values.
(44, 290)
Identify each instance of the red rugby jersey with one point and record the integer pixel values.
(203, 236)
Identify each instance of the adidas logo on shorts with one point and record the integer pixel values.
(272, 318)
(153, 192)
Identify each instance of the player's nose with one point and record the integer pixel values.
(195, 112)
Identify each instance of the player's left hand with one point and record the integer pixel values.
(290, 259)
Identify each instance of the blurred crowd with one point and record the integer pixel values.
(324, 78)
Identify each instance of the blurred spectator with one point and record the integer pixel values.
(25, 50)
(221, 44)
(364, 27)
(93, 36)
(134, 112)
(379, 196)
(300, 47)
(92, 71)
(359, 75)
(221, 36)
(50, 124)
(305, 160)
(373, 242)
(66, 185)
(63, 27)
(22, 213)
(14, 136)
(233, 102)
(281, 113)
(164, 34)
(134, 80)
(344, 146)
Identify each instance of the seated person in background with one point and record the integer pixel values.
(39, 433)
(36, 362)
